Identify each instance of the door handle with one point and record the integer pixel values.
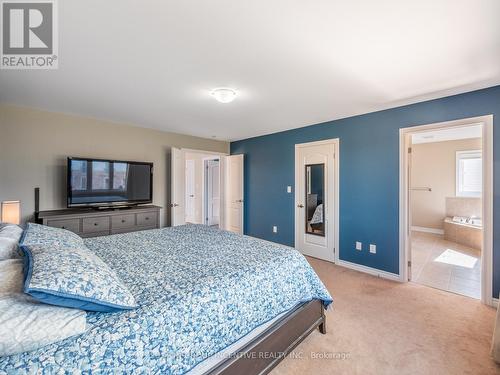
(174, 205)
(239, 201)
(191, 195)
(300, 205)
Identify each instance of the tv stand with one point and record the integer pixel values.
(112, 208)
(92, 222)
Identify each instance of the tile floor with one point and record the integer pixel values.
(446, 265)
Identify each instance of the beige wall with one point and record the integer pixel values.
(434, 166)
(34, 146)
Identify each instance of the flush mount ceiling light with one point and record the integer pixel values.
(223, 94)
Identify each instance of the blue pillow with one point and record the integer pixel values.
(72, 276)
(42, 234)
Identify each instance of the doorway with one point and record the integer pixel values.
(316, 199)
(211, 192)
(207, 188)
(445, 206)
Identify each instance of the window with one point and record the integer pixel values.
(79, 175)
(119, 176)
(469, 174)
(100, 175)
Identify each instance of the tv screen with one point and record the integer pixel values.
(97, 182)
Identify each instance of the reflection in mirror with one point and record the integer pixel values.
(315, 197)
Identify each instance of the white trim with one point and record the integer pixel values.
(369, 270)
(487, 215)
(319, 143)
(416, 228)
(336, 210)
(191, 150)
(494, 303)
(487, 258)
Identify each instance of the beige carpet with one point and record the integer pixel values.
(378, 326)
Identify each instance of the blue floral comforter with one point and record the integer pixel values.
(198, 289)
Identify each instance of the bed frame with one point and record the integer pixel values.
(268, 349)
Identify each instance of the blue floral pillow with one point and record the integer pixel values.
(44, 235)
(71, 276)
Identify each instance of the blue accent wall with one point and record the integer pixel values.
(369, 176)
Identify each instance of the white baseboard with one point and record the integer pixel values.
(427, 230)
(494, 303)
(369, 270)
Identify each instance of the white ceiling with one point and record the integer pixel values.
(294, 63)
(449, 134)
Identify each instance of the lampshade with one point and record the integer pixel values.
(11, 212)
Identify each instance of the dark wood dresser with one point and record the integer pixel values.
(93, 223)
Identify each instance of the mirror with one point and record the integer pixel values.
(315, 197)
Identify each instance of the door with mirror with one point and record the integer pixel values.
(315, 199)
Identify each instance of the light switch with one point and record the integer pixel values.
(288, 189)
(359, 245)
(373, 248)
(275, 229)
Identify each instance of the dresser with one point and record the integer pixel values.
(93, 223)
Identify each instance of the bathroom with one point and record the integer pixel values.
(446, 209)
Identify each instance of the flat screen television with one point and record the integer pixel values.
(107, 183)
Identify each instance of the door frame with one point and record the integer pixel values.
(487, 198)
(222, 192)
(336, 184)
(204, 191)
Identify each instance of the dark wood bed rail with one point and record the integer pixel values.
(268, 349)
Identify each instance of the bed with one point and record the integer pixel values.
(205, 297)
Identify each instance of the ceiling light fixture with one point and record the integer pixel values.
(223, 94)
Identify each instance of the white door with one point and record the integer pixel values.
(190, 191)
(234, 193)
(315, 199)
(178, 182)
(213, 192)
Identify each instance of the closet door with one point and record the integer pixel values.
(178, 187)
(234, 193)
(315, 199)
(190, 192)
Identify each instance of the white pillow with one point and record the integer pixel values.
(11, 276)
(26, 324)
(9, 239)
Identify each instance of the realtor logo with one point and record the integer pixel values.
(29, 35)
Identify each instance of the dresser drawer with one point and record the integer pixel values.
(122, 221)
(69, 224)
(147, 219)
(95, 224)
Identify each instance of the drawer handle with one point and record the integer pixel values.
(123, 220)
(96, 224)
(63, 227)
(147, 218)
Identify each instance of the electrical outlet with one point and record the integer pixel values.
(373, 248)
(275, 229)
(359, 245)
(288, 189)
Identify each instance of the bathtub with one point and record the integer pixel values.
(465, 231)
